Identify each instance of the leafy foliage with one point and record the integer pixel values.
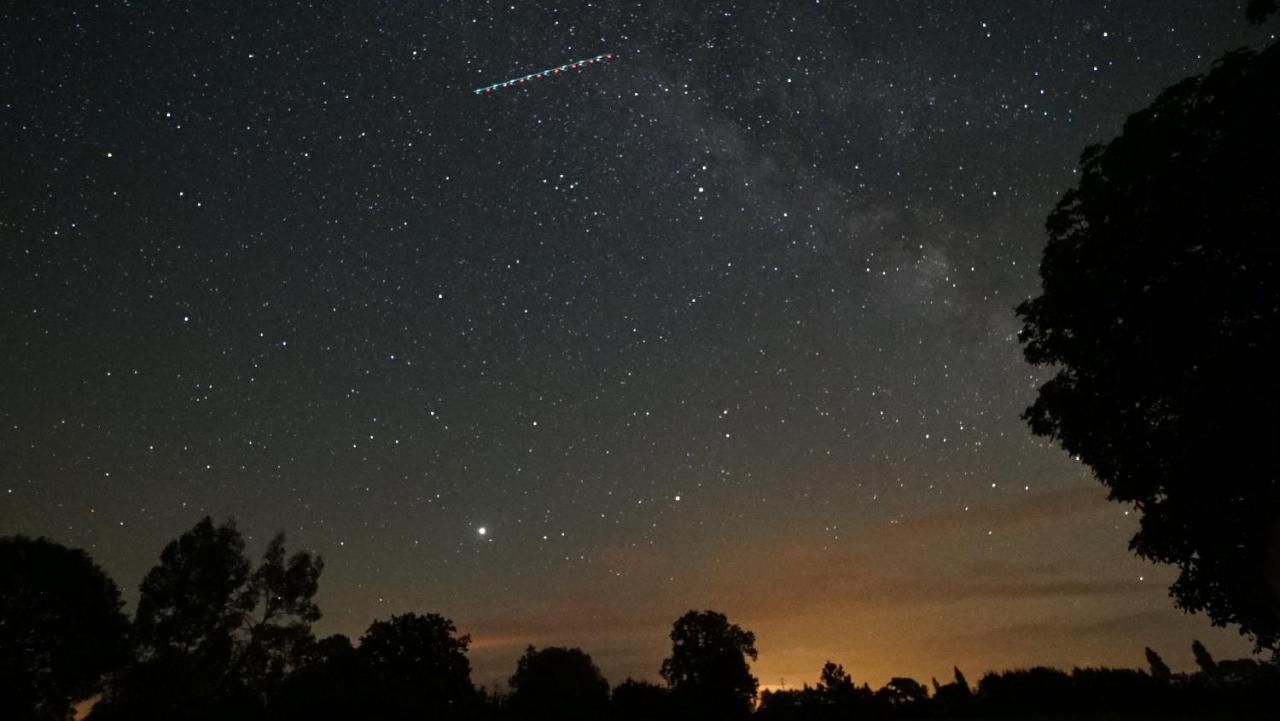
(61, 628)
(1161, 313)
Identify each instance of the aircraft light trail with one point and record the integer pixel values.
(513, 82)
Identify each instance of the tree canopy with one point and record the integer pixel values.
(61, 628)
(558, 683)
(419, 666)
(707, 670)
(328, 682)
(1160, 312)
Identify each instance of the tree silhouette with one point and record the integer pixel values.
(1204, 659)
(1025, 691)
(837, 695)
(639, 701)
(834, 683)
(707, 671)
(419, 667)
(215, 637)
(61, 628)
(329, 682)
(1159, 669)
(1161, 313)
(558, 683)
(955, 697)
(903, 692)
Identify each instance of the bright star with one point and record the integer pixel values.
(482, 530)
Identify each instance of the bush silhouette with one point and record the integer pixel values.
(639, 701)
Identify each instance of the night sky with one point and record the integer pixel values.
(726, 322)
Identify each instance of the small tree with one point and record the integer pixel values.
(328, 682)
(1204, 659)
(955, 697)
(61, 628)
(903, 692)
(639, 701)
(833, 683)
(419, 666)
(558, 683)
(707, 671)
(1159, 669)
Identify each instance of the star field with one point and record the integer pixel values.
(725, 322)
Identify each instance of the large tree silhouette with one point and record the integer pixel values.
(215, 636)
(707, 671)
(558, 684)
(1161, 313)
(61, 628)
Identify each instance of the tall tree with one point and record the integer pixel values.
(1160, 312)
(558, 683)
(419, 667)
(707, 671)
(215, 636)
(61, 629)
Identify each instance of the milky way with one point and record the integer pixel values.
(725, 322)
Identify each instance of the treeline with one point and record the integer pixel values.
(1242, 687)
(216, 637)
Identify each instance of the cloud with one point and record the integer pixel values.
(574, 621)
(1125, 623)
